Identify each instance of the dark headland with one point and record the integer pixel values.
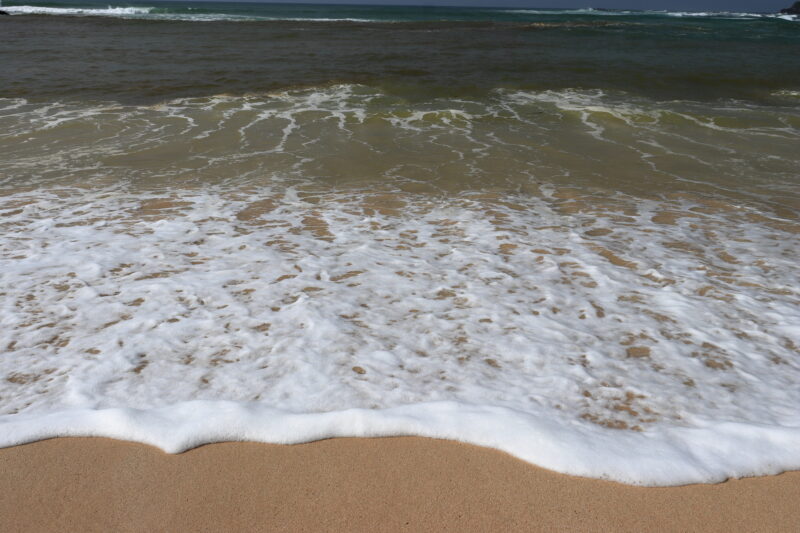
(794, 10)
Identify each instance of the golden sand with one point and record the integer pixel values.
(392, 484)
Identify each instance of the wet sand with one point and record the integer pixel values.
(393, 484)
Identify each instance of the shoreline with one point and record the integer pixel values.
(354, 484)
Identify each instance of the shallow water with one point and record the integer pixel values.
(595, 270)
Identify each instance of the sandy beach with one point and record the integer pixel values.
(391, 484)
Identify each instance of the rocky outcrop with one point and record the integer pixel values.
(794, 10)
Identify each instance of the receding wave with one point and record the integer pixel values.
(598, 283)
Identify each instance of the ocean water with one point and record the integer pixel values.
(569, 235)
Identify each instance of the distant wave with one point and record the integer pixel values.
(585, 11)
(78, 11)
(643, 13)
(729, 15)
(162, 13)
(207, 14)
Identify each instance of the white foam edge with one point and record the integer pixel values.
(666, 456)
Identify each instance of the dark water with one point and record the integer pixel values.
(139, 53)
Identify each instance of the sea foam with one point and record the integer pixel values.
(648, 342)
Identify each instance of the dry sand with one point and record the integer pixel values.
(393, 484)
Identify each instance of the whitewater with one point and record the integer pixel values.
(196, 317)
